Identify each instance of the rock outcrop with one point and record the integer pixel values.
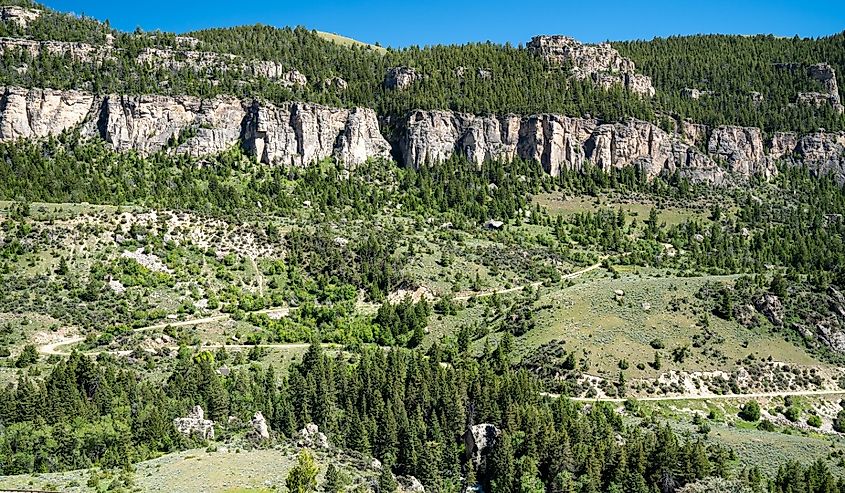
(826, 75)
(410, 484)
(310, 436)
(206, 62)
(601, 63)
(720, 155)
(693, 93)
(479, 440)
(81, 52)
(35, 113)
(18, 15)
(335, 83)
(195, 424)
(822, 152)
(291, 133)
(771, 307)
(150, 123)
(301, 133)
(401, 77)
(741, 148)
(260, 429)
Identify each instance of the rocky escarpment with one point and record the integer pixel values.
(822, 152)
(35, 113)
(600, 63)
(300, 133)
(715, 155)
(400, 77)
(161, 59)
(825, 75)
(560, 142)
(291, 133)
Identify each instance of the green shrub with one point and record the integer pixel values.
(766, 425)
(792, 413)
(750, 411)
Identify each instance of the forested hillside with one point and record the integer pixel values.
(478, 78)
(735, 67)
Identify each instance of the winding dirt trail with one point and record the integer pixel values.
(705, 397)
(533, 285)
(52, 348)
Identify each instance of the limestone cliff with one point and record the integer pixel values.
(18, 15)
(823, 153)
(34, 113)
(291, 133)
(826, 75)
(300, 133)
(718, 155)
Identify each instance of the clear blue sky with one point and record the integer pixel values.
(402, 23)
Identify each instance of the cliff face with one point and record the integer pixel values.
(300, 133)
(560, 142)
(823, 153)
(292, 133)
(34, 113)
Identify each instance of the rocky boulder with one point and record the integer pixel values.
(294, 78)
(260, 429)
(837, 302)
(410, 484)
(690, 93)
(479, 440)
(335, 83)
(771, 308)
(832, 333)
(310, 436)
(195, 424)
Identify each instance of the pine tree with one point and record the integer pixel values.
(386, 481)
(302, 478)
(336, 480)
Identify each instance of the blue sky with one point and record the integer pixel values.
(398, 23)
